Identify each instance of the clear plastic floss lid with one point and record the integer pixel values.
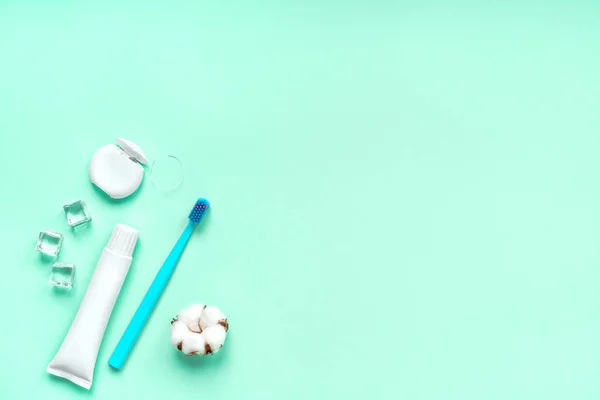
(118, 169)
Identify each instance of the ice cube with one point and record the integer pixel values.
(62, 275)
(49, 243)
(77, 213)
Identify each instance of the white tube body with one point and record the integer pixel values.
(76, 357)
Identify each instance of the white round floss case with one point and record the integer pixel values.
(117, 169)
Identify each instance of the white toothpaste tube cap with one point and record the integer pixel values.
(123, 240)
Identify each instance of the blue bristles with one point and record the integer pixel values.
(199, 211)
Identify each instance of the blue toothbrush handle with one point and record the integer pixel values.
(145, 308)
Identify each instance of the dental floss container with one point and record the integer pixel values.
(117, 169)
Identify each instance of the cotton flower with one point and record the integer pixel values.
(199, 330)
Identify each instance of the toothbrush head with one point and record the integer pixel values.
(199, 210)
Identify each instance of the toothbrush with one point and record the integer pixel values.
(140, 317)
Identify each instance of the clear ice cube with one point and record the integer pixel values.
(62, 275)
(49, 243)
(77, 213)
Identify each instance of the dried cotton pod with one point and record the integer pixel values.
(199, 330)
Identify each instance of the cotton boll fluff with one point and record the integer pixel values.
(199, 330)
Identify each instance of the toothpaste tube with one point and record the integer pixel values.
(76, 358)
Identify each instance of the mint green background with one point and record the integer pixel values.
(405, 197)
